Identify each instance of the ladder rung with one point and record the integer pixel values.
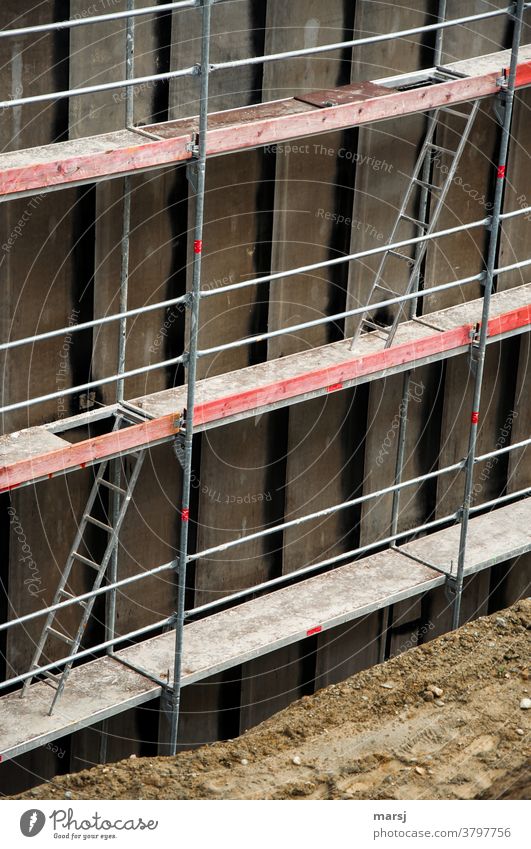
(131, 419)
(441, 149)
(87, 561)
(59, 635)
(414, 220)
(374, 326)
(427, 185)
(408, 259)
(464, 115)
(98, 524)
(51, 680)
(72, 597)
(132, 416)
(112, 486)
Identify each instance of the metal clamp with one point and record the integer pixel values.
(180, 438)
(500, 102)
(192, 175)
(474, 347)
(193, 145)
(187, 302)
(450, 588)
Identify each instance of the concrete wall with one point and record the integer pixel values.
(43, 273)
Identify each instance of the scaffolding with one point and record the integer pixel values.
(380, 350)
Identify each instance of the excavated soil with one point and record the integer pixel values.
(441, 721)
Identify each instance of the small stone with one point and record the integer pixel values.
(296, 760)
(105, 769)
(437, 691)
(420, 770)
(131, 757)
(387, 685)
(439, 702)
(525, 704)
(428, 696)
(520, 732)
(244, 761)
(68, 794)
(501, 621)
(365, 698)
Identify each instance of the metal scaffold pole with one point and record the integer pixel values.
(196, 173)
(116, 465)
(479, 342)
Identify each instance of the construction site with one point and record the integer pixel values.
(265, 340)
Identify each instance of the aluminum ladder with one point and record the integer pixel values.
(420, 179)
(125, 416)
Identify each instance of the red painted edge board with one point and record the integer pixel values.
(523, 74)
(262, 131)
(90, 166)
(252, 127)
(80, 454)
(98, 448)
(408, 352)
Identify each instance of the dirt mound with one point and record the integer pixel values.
(514, 785)
(442, 721)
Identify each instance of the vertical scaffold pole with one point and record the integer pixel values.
(506, 96)
(422, 215)
(110, 617)
(191, 365)
(115, 465)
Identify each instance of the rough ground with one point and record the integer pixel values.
(383, 734)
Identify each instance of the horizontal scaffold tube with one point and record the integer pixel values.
(300, 520)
